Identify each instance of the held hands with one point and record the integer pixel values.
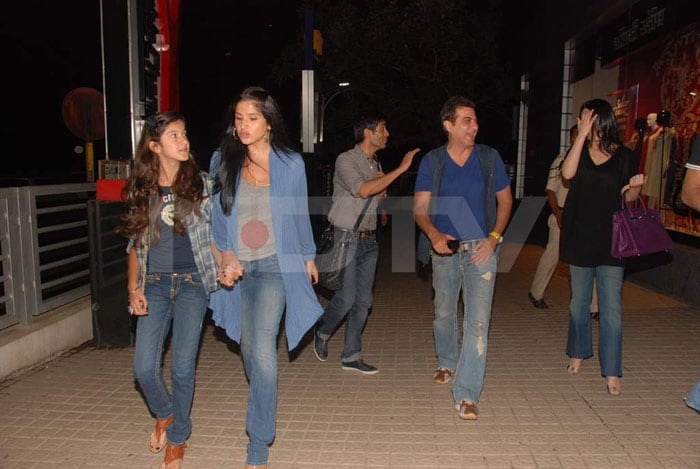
(138, 304)
(231, 269)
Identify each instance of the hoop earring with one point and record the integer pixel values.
(235, 135)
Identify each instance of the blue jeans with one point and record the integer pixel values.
(692, 400)
(580, 342)
(353, 299)
(262, 304)
(180, 301)
(450, 275)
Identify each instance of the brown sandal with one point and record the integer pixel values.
(158, 438)
(174, 454)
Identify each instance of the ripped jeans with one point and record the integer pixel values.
(450, 275)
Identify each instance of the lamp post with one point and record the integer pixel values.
(342, 88)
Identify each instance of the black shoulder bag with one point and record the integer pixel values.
(333, 250)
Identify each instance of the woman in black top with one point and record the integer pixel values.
(600, 169)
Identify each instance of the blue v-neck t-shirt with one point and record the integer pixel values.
(461, 208)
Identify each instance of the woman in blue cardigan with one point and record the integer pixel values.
(261, 224)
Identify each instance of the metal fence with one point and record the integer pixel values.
(44, 249)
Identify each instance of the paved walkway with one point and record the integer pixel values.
(83, 410)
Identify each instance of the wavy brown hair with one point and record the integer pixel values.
(141, 192)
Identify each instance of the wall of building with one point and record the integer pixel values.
(24, 347)
(599, 85)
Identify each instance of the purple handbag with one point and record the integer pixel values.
(638, 231)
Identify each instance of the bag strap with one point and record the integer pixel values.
(625, 205)
(362, 214)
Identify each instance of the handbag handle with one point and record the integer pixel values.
(625, 205)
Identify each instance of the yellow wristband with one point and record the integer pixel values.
(495, 234)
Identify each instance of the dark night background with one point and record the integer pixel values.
(55, 47)
(49, 48)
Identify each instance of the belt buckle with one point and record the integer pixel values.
(469, 245)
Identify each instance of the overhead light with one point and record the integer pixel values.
(344, 83)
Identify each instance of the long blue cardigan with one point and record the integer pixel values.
(294, 244)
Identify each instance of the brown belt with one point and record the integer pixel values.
(365, 234)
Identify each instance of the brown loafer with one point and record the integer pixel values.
(467, 410)
(158, 438)
(256, 466)
(174, 454)
(443, 375)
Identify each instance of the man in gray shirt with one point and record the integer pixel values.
(356, 178)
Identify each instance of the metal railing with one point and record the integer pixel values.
(44, 249)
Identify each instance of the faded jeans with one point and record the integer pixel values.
(262, 304)
(180, 301)
(353, 299)
(450, 275)
(580, 341)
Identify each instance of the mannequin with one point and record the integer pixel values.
(660, 150)
(651, 121)
(651, 124)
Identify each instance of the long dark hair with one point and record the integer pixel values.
(605, 126)
(233, 152)
(141, 189)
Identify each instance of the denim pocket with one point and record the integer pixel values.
(491, 265)
(194, 280)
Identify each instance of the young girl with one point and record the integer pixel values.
(261, 214)
(171, 271)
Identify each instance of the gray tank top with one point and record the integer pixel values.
(256, 239)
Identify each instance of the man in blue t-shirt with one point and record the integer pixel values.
(462, 205)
